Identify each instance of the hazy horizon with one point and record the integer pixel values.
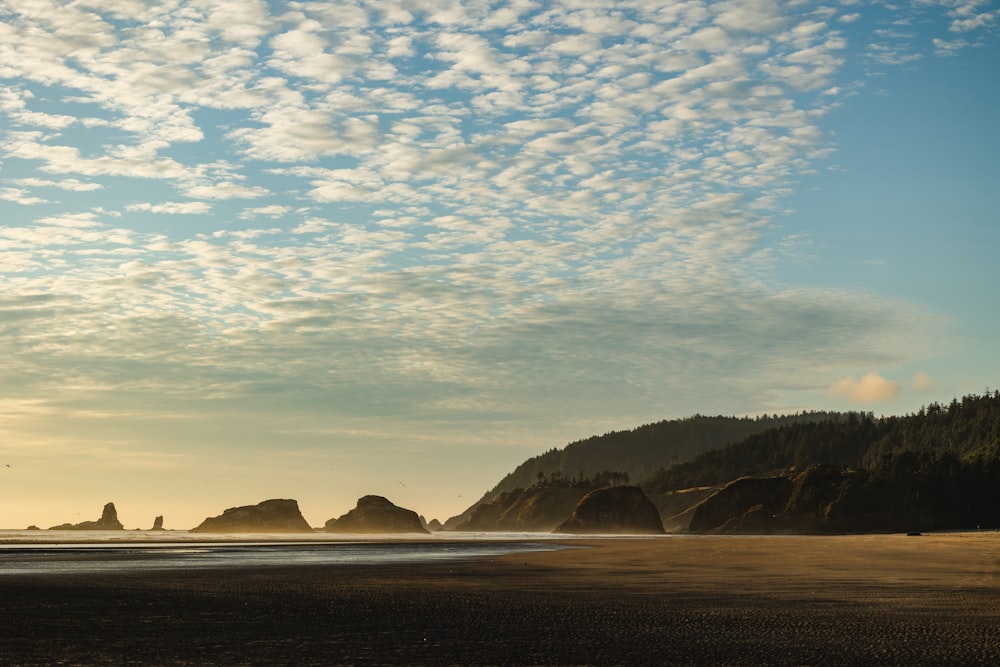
(256, 250)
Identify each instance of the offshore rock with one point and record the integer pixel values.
(270, 516)
(108, 521)
(615, 509)
(375, 514)
(157, 523)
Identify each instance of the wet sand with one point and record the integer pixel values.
(874, 599)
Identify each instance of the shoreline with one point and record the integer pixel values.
(875, 599)
(14, 536)
(132, 537)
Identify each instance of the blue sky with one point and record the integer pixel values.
(318, 250)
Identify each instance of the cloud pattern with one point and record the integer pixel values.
(449, 215)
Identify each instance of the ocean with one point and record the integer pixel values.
(50, 552)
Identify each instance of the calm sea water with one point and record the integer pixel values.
(51, 552)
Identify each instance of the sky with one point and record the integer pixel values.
(317, 250)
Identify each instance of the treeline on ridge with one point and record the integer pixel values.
(814, 471)
(936, 469)
(967, 430)
(641, 452)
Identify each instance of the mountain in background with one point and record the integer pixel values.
(814, 472)
(966, 430)
(638, 454)
(934, 470)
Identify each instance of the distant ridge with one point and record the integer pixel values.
(813, 472)
(937, 469)
(639, 453)
(967, 430)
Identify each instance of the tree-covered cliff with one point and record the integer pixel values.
(967, 430)
(934, 469)
(637, 453)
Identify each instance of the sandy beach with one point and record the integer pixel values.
(839, 600)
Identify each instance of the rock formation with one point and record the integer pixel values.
(270, 516)
(747, 504)
(157, 523)
(676, 507)
(108, 521)
(615, 509)
(375, 514)
(819, 499)
(535, 509)
(434, 525)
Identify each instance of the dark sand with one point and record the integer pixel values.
(888, 599)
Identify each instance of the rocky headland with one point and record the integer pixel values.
(535, 509)
(818, 499)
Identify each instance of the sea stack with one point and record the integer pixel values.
(615, 509)
(270, 516)
(375, 514)
(108, 521)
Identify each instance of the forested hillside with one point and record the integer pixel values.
(640, 452)
(966, 430)
(937, 469)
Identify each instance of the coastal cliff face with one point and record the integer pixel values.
(819, 499)
(677, 507)
(616, 509)
(743, 505)
(108, 521)
(375, 514)
(535, 509)
(270, 516)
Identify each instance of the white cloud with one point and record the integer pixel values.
(130, 161)
(173, 208)
(949, 48)
(869, 388)
(272, 211)
(70, 184)
(226, 190)
(759, 16)
(244, 22)
(19, 196)
(896, 42)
